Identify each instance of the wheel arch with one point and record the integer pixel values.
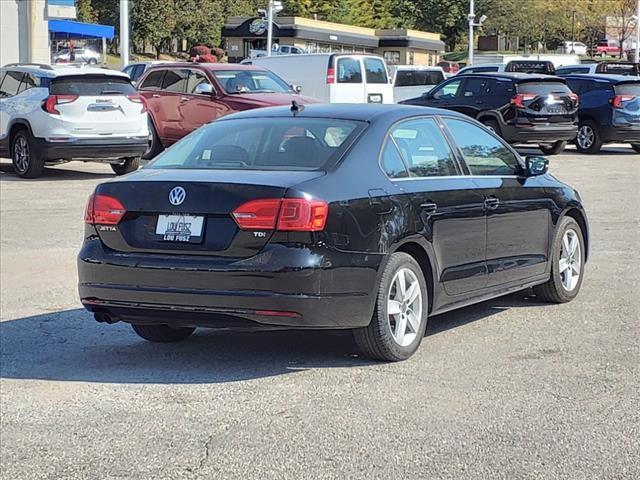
(424, 258)
(19, 124)
(579, 216)
(490, 115)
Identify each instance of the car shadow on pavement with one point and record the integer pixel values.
(71, 346)
(50, 173)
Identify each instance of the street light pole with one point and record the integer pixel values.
(573, 33)
(124, 33)
(269, 27)
(637, 51)
(471, 17)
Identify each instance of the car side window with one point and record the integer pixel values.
(196, 78)
(392, 163)
(153, 80)
(424, 148)
(450, 90)
(475, 87)
(28, 81)
(129, 70)
(349, 71)
(483, 153)
(175, 81)
(10, 84)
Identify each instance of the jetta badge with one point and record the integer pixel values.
(177, 196)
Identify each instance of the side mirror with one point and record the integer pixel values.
(204, 89)
(536, 166)
(296, 88)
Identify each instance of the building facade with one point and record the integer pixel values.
(397, 46)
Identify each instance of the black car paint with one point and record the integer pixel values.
(516, 125)
(330, 278)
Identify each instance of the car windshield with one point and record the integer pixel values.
(251, 81)
(411, 78)
(92, 85)
(282, 143)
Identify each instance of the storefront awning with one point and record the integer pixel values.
(68, 29)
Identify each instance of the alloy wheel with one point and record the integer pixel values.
(570, 260)
(586, 136)
(21, 154)
(404, 307)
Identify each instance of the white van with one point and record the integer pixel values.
(411, 81)
(334, 77)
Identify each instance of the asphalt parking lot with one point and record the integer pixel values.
(508, 389)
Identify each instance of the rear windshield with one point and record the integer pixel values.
(91, 85)
(628, 89)
(619, 68)
(543, 88)
(251, 81)
(262, 144)
(415, 78)
(530, 67)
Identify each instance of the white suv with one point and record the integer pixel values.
(52, 113)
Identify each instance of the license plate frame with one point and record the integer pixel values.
(180, 227)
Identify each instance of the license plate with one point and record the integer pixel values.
(555, 109)
(374, 98)
(180, 228)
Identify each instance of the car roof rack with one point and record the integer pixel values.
(44, 66)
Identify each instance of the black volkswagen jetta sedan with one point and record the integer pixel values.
(363, 217)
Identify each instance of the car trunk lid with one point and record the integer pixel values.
(546, 101)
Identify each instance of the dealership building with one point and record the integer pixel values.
(398, 46)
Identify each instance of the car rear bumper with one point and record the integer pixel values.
(282, 286)
(621, 134)
(548, 133)
(92, 148)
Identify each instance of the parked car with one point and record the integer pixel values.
(577, 48)
(410, 81)
(609, 110)
(519, 66)
(613, 68)
(184, 96)
(255, 221)
(607, 47)
(521, 108)
(79, 55)
(482, 68)
(57, 113)
(135, 70)
(449, 67)
(334, 77)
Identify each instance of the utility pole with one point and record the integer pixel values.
(573, 32)
(124, 33)
(269, 27)
(637, 50)
(471, 17)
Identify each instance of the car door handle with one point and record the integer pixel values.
(491, 203)
(479, 102)
(429, 207)
(155, 95)
(184, 99)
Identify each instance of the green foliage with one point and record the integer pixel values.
(153, 21)
(85, 11)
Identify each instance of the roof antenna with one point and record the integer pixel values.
(296, 108)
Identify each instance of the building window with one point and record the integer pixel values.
(411, 57)
(392, 57)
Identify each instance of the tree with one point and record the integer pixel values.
(153, 21)
(623, 10)
(85, 11)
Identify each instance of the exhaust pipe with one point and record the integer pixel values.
(105, 317)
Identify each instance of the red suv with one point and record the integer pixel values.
(183, 96)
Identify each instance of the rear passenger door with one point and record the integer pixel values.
(150, 87)
(9, 86)
(349, 86)
(473, 96)
(518, 211)
(199, 108)
(447, 211)
(172, 97)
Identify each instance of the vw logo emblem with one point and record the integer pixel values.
(177, 196)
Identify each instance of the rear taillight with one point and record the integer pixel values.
(331, 75)
(619, 99)
(575, 98)
(518, 100)
(287, 215)
(135, 98)
(103, 210)
(52, 101)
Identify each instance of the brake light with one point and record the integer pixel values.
(50, 103)
(135, 98)
(331, 75)
(286, 215)
(618, 99)
(103, 210)
(575, 98)
(518, 100)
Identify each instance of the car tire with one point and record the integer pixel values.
(155, 146)
(26, 161)
(554, 148)
(563, 286)
(162, 333)
(128, 166)
(493, 126)
(385, 338)
(588, 139)
(636, 147)
(92, 61)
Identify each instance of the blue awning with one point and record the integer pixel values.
(67, 29)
